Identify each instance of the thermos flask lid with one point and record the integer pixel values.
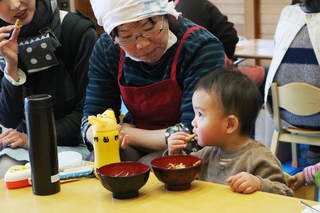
(34, 103)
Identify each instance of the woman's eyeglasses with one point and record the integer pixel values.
(147, 34)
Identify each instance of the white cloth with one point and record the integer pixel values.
(112, 13)
(292, 19)
(21, 154)
(21, 75)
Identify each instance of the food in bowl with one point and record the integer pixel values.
(181, 165)
(186, 168)
(124, 179)
(176, 166)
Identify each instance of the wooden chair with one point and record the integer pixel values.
(309, 192)
(300, 99)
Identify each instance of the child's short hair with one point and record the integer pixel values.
(239, 95)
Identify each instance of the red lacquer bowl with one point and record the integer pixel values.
(124, 179)
(176, 179)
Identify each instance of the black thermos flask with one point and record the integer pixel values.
(42, 144)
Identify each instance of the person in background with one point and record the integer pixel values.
(296, 59)
(210, 17)
(19, 78)
(307, 176)
(226, 103)
(150, 57)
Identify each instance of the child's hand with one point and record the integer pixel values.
(244, 182)
(176, 142)
(294, 182)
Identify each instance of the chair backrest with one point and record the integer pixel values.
(298, 98)
(308, 192)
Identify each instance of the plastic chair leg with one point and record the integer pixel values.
(295, 150)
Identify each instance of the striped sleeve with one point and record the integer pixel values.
(310, 172)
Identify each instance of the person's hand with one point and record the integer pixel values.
(14, 139)
(9, 49)
(124, 139)
(294, 182)
(244, 182)
(176, 142)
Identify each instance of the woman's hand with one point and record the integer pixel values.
(124, 138)
(176, 142)
(14, 139)
(244, 182)
(9, 49)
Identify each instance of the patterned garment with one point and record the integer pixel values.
(300, 65)
(192, 144)
(309, 173)
(37, 53)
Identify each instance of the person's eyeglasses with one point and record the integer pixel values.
(147, 34)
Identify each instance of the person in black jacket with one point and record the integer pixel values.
(32, 62)
(210, 17)
(206, 14)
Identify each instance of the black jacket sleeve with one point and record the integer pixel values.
(206, 14)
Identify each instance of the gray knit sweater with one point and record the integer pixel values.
(254, 158)
(300, 65)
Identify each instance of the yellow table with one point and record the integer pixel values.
(90, 197)
(255, 49)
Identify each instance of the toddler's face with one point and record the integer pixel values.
(209, 122)
(12, 10)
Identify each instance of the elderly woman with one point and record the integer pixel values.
(150, 57)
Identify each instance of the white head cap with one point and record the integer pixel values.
(112, 13)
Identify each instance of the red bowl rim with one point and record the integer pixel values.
(169, 156)
(146, 169)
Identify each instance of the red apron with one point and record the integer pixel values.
(155, 106)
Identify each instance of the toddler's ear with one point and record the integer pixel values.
(233, 124)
